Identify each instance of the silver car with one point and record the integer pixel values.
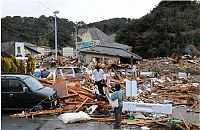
(72, 73)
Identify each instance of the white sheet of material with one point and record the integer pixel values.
(74, 117)
(147, 107)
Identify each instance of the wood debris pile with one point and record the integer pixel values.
(79, 98)
(166, 87)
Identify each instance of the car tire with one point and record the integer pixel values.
(39, 107)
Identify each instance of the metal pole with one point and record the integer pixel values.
(56, 49)
(76, 40)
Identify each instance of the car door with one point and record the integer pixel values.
(16, 93)
(21, 99)
(7, 101)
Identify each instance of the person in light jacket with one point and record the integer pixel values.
(99, 79)
(118, 94)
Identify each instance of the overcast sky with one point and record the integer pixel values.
(78, 10)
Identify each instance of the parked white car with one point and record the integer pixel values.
(70, 72)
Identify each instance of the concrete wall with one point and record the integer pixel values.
(88, 57)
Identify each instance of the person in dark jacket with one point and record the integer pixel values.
(118, 94)
(45, 73)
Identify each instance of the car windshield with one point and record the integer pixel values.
(33, 83)
(67, 70)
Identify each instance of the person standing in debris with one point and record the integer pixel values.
(99, 79)
(45, 73)
(118, 94)
(52, 74)
(53, 63)
(37, 72)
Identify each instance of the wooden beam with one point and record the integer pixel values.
(75, 103)
(32, 114)
(188, 128)
(73, 91)
(69, 96)
(81, 105)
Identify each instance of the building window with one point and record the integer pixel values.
(18, 49)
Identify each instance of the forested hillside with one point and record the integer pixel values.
(111, 26)
(170, 27)
(39, 31)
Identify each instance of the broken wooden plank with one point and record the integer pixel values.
(103, 119)
(71, 90)
(32, 114)
(81, 105)
(69, 96)
(140, 122)
(86, 94)
(75, 103)
(188, 128)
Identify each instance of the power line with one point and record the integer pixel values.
(45, 6)
(43, 35)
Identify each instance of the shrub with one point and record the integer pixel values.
(30, 64)
(5, 65)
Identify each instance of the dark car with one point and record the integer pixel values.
(23, 92)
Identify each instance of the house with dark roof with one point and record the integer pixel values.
(118, 45)
(106, 54)
(18, 49)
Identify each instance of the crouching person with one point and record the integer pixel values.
(118, 110)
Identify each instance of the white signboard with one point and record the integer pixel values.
(131, 88)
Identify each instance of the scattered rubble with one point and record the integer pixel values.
(160, 80)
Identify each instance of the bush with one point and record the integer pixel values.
(13, 68)
(30, 64)
(11, 65)
(21, 68)
(5, 65)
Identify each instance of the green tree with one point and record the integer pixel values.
(170, 27)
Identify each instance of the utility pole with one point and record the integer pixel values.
(56, 48)
(76, 42)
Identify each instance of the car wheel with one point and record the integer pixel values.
(39, 107)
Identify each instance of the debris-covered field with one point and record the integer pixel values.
(158, 81)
